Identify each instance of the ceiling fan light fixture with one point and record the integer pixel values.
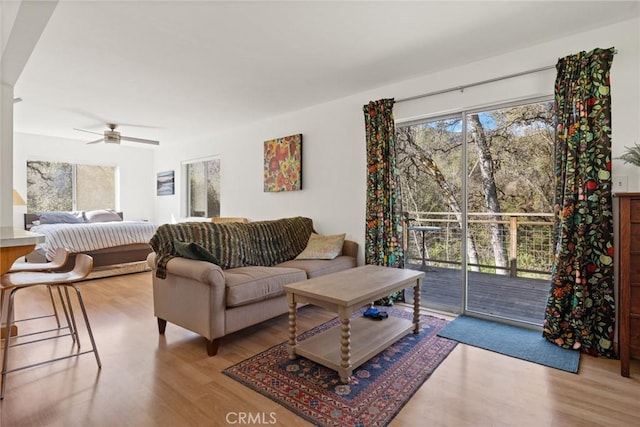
(112, 137)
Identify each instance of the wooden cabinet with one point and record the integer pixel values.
(629, 279)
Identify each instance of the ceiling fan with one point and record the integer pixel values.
(112, 136)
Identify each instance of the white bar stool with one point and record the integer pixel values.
(58, 262)
(12, 282)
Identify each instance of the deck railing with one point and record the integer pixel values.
(526, 237)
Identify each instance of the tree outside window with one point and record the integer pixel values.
(203, 188)
(59, 186)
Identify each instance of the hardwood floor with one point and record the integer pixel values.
(149, 380)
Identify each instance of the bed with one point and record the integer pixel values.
(117, 246)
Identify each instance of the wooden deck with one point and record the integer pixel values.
(514, 298)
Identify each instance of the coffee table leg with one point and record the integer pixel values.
(292, 329)
(416, 307)
(345, 348)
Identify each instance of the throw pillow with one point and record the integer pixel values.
(102, 215)
(323, 247)
(61, 217)
(193, 250)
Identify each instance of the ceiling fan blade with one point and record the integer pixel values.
(100, 121)
(144, 141)
(133, 125)
(89, 131)
(96, 141)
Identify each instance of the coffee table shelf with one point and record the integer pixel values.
(368, 338)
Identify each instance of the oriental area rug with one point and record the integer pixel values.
(378, 389)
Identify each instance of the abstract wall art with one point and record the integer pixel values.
(283, 164)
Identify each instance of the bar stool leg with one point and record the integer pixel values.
(53, 304)
(1, 306)
(73, 317)
(7, 341)
(70, 324)
(2, 314)
(86, 322)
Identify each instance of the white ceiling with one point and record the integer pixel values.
(180, 70)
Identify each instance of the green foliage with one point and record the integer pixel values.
(632, 155)
(521, 144)
(204, 188)
(49, 186)
(59, 186)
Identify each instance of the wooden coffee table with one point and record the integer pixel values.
(353, 342)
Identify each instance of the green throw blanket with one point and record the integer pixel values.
(232, 245)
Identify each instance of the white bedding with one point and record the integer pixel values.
(92, 236)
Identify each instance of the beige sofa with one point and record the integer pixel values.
(211, 301)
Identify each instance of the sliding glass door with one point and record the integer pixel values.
(476, 193)
(509, 190)
(430, 158)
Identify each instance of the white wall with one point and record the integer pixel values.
(136, 174)
(334, 176)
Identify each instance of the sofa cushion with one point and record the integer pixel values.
(319, 267)
(246, 285)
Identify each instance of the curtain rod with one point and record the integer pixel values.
(461, 88)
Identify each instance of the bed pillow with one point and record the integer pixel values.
(323, 247)
(61, 217)
(102, 215)
(193, 250)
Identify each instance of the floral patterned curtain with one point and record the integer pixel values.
(580, 310)
(383, 240)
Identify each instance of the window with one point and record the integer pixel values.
(203, 188)
(57, 186)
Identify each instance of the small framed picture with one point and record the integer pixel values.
(166, 183)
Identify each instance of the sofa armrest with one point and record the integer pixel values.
(192, 296)
(350, 248)
(201, 271)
